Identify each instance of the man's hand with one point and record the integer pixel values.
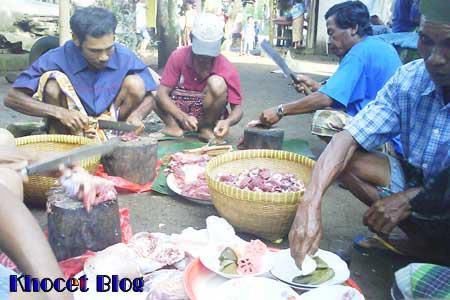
(302, 81)
(222, 129)
(74, 120)
(136, 121)
(269, 117)
(306, 230)
(189, 123)
(387, 213)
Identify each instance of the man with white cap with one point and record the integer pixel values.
(198, 83)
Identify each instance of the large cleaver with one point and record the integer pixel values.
(71, 157)
(273, 54)
(117, 125)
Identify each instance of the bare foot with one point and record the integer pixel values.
(205, 134)
(173, 131)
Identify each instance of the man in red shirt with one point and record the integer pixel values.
(198, 83)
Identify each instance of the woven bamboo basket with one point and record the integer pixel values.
(37, 186)
(266, 215)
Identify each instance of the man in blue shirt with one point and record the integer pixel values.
(366, 65)
(89, 76)
(415, 104)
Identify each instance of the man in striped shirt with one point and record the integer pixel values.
(415, 104)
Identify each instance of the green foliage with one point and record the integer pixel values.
(126, 17)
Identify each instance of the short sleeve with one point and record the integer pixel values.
(379, 121)
(29, 78)
(234, 89)
(150, 84)
(341, 86)
(172, 70)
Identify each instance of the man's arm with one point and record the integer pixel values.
(166, 104)
(306, 231)
(223, 126)
(308, 104)
(20, 100)
(23, 241)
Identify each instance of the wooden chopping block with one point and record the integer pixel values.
(134, 160)
(72, 230)
(261, 138)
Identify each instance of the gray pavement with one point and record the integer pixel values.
(342, 213)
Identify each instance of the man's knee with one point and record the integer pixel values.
(134, 86)
(217, 85)
(52, 92)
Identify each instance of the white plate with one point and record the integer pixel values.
(334, 292)
(172, 184)
(252, 288)
(210, 259)
(285, 268)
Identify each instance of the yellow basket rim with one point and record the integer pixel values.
(256, 153)
(55, 138)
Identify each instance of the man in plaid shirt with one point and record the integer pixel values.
(414, 103)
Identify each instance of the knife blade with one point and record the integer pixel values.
(71, 157)
(117, 125)
(281, 63)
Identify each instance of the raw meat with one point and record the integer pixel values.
(264, 180)
(189, 172)
(117, 259)
(92, 190)
(165, 285)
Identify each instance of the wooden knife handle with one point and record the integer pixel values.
(306, 89)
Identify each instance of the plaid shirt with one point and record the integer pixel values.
(410, 104)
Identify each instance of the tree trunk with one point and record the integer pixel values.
(72, 230)
(167, 30)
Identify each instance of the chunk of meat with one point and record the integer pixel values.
(91, 190)
(263, 180)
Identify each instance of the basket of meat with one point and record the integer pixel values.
(257, 191)
(50, 145)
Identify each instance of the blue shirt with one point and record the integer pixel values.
(411, 105)
(96, 89)
(297, 10)
(361, 74)
(406, 15)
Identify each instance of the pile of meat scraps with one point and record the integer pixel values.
(189, 172)
(264, 180)
(151, 255)
(91, 190)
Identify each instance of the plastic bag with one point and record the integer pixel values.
(123, 186)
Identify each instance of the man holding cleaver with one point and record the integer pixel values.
(366, 64)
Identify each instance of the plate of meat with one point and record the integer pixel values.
(186, 177)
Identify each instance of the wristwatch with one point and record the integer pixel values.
(280, 111)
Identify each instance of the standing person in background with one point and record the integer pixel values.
(406, 15)
(298, 17)
(189, 15)
(248, 36)
(141, 24)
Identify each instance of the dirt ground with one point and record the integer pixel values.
(342, 213)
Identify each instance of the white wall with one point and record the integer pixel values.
(382, 8)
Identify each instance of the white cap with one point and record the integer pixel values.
(207, 34)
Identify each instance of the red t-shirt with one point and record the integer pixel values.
(179, 72)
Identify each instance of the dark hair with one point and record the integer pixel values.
(92, 21)
(350, 14)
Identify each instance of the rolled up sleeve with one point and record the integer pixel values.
(341, 86)
(172, 71)
(379, 121)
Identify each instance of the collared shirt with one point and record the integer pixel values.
(97, 89)
(179, 72)
(411, 105)
(361, 74)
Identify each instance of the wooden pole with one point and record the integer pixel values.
(167, 30)
(312, 24)
(272, 15)
(64, 19)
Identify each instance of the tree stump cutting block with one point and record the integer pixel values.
(72, 230)
(259, 138)
(134, 160)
